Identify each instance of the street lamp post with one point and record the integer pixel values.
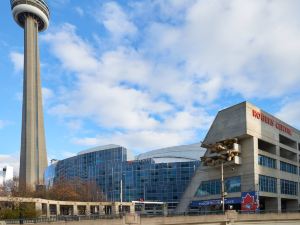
(218, 154)
(144, 192)
(222, 184)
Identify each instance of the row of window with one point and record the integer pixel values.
(233, 184)
(269, 184)
(289, 168)
(266, 161)
(271, 163)
(213, 187)
(288, 187)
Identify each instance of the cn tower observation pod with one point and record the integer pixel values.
(37, 8)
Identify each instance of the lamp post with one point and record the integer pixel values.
(144, 192)
(219, 153)
(223, 188)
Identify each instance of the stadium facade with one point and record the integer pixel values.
(266, 175)
(159, 175)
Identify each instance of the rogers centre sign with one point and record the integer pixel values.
(273, 123)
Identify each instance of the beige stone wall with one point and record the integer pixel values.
(230, 218)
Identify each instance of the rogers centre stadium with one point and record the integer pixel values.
(264, 173)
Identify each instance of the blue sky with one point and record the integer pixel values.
(150, 74)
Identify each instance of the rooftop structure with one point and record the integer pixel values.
(183, 153)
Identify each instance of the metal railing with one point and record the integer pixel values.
(119, 216)
(61, 218)
(196, 213)
(269, 211)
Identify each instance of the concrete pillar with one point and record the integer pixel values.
(58, 210)
(96, 209)
(115, 209)
(48, 210)
(279, 207)
(75, 210)
(87, 210)
(101, 210)
(279, 203)
(143, 209)
(165, 209)
(38, 207)
(132, 208)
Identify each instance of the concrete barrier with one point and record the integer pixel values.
(230, 218)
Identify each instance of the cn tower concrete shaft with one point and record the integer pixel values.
(33, 148)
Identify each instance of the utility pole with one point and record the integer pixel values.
(144, 192)
(121, 191)
(121, 194)
(223, 188)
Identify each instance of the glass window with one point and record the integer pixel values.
(213, 187)
(210, 187)
(266, 161)
(288, 187)
(141, 179)
(267, 184)
(233, 184)
(289, 168)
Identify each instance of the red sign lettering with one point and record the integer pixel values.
(268, 120)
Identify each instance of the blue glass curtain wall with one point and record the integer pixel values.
(142, 179)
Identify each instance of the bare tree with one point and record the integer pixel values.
(75, 190)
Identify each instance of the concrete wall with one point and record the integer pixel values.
(226, 126)
(229, 218)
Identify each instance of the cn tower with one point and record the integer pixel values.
(33, 17)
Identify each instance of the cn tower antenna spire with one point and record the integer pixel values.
(33, 17)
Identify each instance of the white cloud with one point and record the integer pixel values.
(123, 95)
(74, 125)
(76, 54)
(47, 94)
(139, 141)
(116, 21)
(290, 113)
(18, 60)
(247, 46)
(79, 11)
(161, 87)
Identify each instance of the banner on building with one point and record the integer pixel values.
(228, 201)
(249, 201)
